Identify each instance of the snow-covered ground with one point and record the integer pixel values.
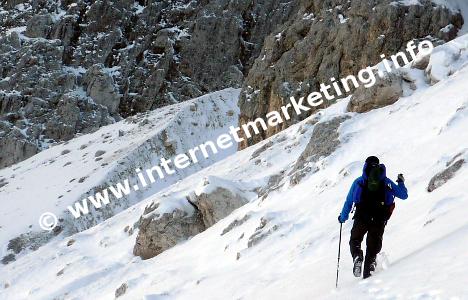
(425, 241)
(57, 177)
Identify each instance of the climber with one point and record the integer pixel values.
(373, 196)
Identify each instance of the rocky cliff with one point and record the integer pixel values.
(336, 38)
(69, 67)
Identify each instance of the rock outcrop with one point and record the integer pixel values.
(323, 142)
(121, 290)
(165, 231)
(218, 204)
(39, 26)
(385, 91)
(261, 232)
(448, 173)
(328, 39)
(27, 241)
(40, 102)
(101, 88)
(159, 232)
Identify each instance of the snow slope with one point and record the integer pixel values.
(66, 173)
(425, 242)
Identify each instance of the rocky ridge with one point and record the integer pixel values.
(333, 39)
(69, 67)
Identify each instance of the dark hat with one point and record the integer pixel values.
(372, 160)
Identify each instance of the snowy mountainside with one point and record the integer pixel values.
(284, 243)
(66, 173)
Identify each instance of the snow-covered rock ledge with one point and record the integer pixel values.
(69, 172)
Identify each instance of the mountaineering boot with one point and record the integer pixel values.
(369, 267)
(372, 266)
(357, 269)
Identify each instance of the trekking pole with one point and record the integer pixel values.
(338, 263)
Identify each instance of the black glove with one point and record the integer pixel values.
(400, 178)
(339, 219)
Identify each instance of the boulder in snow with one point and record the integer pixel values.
(159, 233)
(323, 142)
(212, 201)
(218, 204)
(442, 177)
(385, 91)
(121, 290)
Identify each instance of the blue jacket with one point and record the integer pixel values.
(354, 196)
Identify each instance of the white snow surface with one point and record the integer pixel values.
(59, 176)
(425, 241)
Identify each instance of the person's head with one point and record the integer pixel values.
(371, 161)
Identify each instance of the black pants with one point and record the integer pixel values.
(375, 231)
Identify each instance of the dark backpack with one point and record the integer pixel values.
(371, 206)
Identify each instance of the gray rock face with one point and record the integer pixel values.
(29, 124)
(15, 147)
(128, 56)
(323, 142)
(217, 205)
(8, 259)
(235, 223)
(133, 56)
(30, 240)
(385, 91)
(328, 39)
(101, 88)
(40, 102)
(442, 177)
(121, 290)
(39, 26)
(159, 233)
(261, 233)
